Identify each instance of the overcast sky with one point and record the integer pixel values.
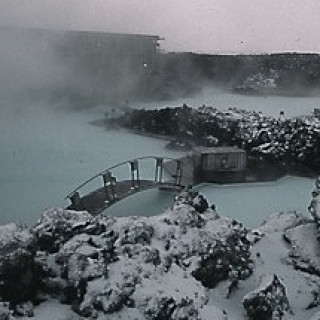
(212, 26)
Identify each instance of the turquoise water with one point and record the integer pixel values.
(269, 105)
(47, 152)
(250, 203)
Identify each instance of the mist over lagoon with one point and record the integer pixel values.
(54, 83)
(48, 151)
(159, 159)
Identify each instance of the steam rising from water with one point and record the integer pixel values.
(53, 69)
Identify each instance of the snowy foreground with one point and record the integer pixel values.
(188, 263)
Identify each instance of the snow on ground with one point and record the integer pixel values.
(271, 256)
(183, 264)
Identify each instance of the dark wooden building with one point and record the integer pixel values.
(219, 163)
(105, 52)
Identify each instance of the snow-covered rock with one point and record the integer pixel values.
(24, 309)
(5, 312)
(227, 259)
(17, 276)
(56, 226)
(269, 301)
(280, 222)
(187, 263)
(304, 250)
(157, 265)
(314, 207)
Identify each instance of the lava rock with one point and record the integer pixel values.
(194, 199)
(314, 207)
(225, 260)
(57, 226)
(166, 308)
(5, 312)
(24, 309)
(303, 256)
(269, 301)
(17, 274)
(136, 232)
(108, 300)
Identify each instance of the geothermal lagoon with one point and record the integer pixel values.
(47, 151)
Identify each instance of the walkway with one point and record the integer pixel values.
(113, 190)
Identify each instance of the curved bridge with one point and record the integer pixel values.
(168, 174)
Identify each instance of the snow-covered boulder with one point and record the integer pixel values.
(280, 222)
(5, 312)
(226, 259)
(303, 248)
(194, 199)
(57, 226)
(80, 259)
(24, 309)
(164, 308)
(269, 301)
(314, 207)
(140, 267)
(17, 276)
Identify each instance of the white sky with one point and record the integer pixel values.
(213, 26)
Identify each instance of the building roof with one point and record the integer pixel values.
(79, 32)
(217, 150)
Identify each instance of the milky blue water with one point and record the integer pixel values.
(270, 105)
(45, 153)
(251, 203)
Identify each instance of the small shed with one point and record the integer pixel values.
(218, 163)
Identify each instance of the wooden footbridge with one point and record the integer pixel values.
(168, 174)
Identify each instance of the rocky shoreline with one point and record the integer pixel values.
(288, 145)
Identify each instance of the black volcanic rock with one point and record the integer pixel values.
(229, 259)
(314, 207)
(269, 301)
(17, 275)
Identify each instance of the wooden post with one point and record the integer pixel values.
(138, 174)
(159, 170)
(76, 201)
(178, 175)
(113, 184)
(107, 176)
(135, 178)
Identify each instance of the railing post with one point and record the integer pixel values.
(106, 176)
(109, 184)
(113, 184)
(135, 178)
(178, 175)
(159, 170)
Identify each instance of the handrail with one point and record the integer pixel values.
(114, 167)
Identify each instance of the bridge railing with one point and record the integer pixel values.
(109, 179)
